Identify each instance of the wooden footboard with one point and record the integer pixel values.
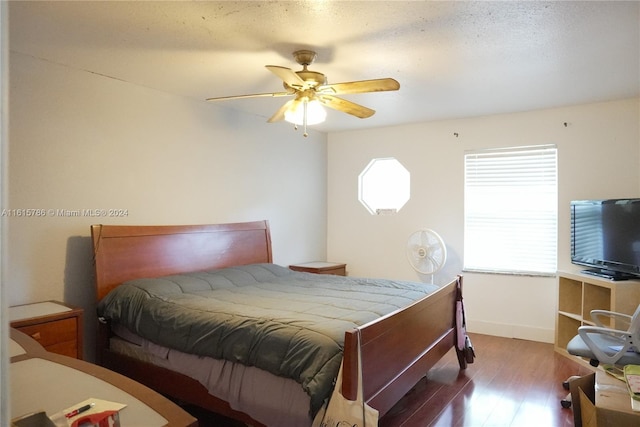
(399, 349)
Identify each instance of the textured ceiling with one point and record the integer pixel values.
(452, 59)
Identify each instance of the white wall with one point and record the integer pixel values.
(598, 158)
(82, 141)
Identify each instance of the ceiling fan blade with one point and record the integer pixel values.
(279, 115)
(346, 106)
(288, 76)
(255, 95)
(362, 86)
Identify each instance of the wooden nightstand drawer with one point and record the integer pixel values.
(318, 267)
(59, 333)
(54, 325)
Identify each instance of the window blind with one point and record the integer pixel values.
(510, 210)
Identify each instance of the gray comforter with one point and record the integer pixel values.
(288, 323)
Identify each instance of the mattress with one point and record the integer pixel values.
(287, 323)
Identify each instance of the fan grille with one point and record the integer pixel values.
(426, 251)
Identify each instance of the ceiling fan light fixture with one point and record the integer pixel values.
(305, 112)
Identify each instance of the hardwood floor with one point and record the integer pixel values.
(511, 383)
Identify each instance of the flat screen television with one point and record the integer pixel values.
(605, 236)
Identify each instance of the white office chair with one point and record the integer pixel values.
(602, 344)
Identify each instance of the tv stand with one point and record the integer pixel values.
(608, 274)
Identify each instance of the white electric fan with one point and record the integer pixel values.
(426, 251)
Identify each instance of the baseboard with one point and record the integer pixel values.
(512, 331)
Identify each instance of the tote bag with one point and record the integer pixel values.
(342, 412)
(463, 340)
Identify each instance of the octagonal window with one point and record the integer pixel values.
(384, 186)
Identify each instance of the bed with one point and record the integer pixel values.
(398, 347)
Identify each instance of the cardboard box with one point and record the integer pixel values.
(599, 400)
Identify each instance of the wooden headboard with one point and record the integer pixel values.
(126, 252)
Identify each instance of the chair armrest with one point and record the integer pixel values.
(597, 315)
(621, 338)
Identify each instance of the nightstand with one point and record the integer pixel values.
(321, 267)
(55, 325)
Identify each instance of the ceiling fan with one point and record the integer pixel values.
(311, 91)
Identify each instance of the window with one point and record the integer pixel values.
(384, 186)
(510, 210)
